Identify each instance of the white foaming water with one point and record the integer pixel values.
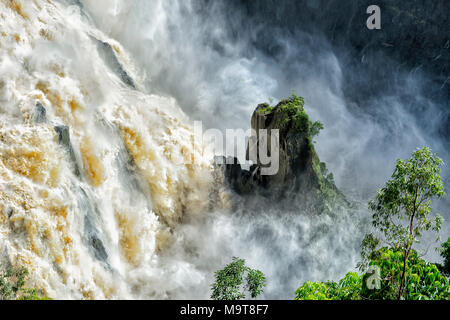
(186, 49)
(96, 235)
(189, 50)
(136, 222)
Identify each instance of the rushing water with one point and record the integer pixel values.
(97, 102)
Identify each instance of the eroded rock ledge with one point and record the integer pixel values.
(301, 175)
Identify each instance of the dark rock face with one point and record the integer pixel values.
(108, 54)
(92, 234)
(40, 114)
(64, 140)
(64, 136)
(243, 182)
(10, 212)
(301, 175)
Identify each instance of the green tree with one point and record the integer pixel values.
(402, 209)
(347, 288)
(423, 281)
(401, 213)
(235, 280)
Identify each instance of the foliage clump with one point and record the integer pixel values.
(445, 254)
(13, 285)
(347, 288)
(266, 109)
(402, 209)
(293, 109)
(401, 214)
(423, 281)
(236, 280)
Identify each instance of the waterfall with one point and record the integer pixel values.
(99, 196)
(91, 168)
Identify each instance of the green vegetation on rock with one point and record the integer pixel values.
(301, 174)
(293, 109)
(267, 108)
(13, 285)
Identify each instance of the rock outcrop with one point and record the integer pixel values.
(301, 175)
(106, 51)
(64, 140)
(40, 114)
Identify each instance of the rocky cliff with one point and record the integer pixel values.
(301, 175)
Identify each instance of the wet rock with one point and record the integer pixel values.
(92, 234)
(109, 56)
(9, 212)
(64, 140)
(40, 114)
(241, 181)
(99, 249)
(300, 175)
(63, 135)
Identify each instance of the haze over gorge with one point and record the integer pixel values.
(99, 196)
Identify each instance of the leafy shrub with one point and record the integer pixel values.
(294, 109)
(229, 284)
(402, 210)
(347, 288)
(423, 281)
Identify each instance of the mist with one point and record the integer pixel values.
(220, 59)
(99, 99)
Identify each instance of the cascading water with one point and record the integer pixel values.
(92, 174)
(96, 197)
